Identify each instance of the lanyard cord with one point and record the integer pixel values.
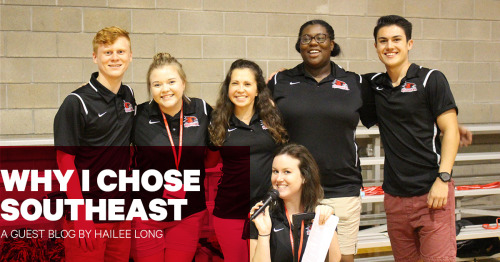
(181, 128)
(291, 235)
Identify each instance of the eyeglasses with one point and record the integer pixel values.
(306, 39)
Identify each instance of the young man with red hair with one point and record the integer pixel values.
(92, 132)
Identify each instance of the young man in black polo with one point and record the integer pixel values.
(414, 106)
(92, 132)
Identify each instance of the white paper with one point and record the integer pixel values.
(319, 240)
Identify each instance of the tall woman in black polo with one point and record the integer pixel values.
(321, 104)
(170, 132)
(248, 127)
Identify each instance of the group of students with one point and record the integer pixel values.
(322, 104)
(316, 105)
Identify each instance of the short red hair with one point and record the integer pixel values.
(108, 35)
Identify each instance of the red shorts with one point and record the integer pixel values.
(108, 247)
(228, 232)
(418, 232)
(151, 237)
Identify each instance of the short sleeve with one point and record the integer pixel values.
(209, 110)
(367, 112)
(69, 125)
(254, 233)
(138, 112)
(272, 83)
(439, 94)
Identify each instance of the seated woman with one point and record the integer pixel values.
(295, 175)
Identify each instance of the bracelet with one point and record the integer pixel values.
(264, 235)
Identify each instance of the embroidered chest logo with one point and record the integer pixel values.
(308, 229)
(264, 127)
(339, 85)
(408, 87)
(128, 107)
(190, 121)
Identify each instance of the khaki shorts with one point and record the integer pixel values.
(348, 209)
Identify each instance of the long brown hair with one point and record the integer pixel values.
(224, 108)
(312, 192)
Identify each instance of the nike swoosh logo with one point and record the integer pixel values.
(278, 230)
(294, 83)
(100, 115)
(153, 122)
(231, 130)
(379, 88)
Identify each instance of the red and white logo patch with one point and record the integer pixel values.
(308, 229)
(190, 121)
(408, 87)
(339, 85)
(264, 127)
(128, 107)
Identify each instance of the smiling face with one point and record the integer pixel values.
(392, 46)
(316, 55)
(114, 59)
(243, 88)
(167, 89)
(287, 178)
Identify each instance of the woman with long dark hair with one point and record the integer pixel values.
(247, 127)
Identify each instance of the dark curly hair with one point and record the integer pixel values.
(224, 108)
(329, 30)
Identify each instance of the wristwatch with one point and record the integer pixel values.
(445, 176)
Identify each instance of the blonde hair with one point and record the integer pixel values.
(165, 59)
(108, 35)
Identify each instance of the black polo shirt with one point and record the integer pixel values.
(92, 115)
(280, 245)
(247, 157)
(153, 149)
(407, 119)
(323, 117)
(94, 125)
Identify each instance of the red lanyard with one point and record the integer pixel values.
(291, 235)
(181, 128)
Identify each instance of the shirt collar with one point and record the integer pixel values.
(336, 71)
(105, 93)
(386, 80)
(154, 109)
(235, 122)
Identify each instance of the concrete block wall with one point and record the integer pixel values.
(45, 45)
